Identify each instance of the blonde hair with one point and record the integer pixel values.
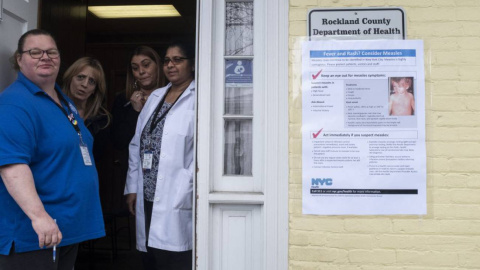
(95, 103)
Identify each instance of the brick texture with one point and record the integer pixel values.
(448, 237)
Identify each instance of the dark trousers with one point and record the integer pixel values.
(159, 259)
(40, 259)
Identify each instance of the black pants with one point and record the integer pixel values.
(160, 259)
(40, 259)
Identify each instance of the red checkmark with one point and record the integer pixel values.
(314, 76)
(315, 135)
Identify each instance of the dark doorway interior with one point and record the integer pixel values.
(80, 33)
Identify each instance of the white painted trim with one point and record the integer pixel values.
(236, 198)
(238, 183)
(275, 197)
(245, 244)
(204, 148)
(283, 154)
(194, 207)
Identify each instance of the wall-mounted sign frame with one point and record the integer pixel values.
(356, 23)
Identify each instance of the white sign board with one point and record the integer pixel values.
(358, 23)
(363, 127)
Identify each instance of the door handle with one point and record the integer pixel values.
(1, 10)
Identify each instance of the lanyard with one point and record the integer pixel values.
(68, 114)
(156, 120)
(71, 118)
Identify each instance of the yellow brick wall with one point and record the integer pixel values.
(448, 237)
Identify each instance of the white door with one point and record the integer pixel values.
(16, 18)
(242, 144)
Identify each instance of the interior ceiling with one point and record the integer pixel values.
(151, 30)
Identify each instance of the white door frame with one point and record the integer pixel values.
(273, 200)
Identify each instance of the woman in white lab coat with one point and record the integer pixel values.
(160, 176)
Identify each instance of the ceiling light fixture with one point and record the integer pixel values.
(139, 11)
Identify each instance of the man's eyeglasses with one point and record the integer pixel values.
(81, 78)
(37, 53)
(175, 60)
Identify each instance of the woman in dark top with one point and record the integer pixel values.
(84, 83)
(143, 76)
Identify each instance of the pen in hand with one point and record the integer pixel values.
(54, 247)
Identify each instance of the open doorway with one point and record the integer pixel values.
(80, 33)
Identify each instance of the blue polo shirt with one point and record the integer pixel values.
(35, 131)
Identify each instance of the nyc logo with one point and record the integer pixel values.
(322, 181)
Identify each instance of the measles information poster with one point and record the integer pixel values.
(363, 127)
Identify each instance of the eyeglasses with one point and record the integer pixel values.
(37, 53)
(81, 78)
(175, 60)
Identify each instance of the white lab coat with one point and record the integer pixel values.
(171, 225)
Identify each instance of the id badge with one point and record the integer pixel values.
(86, 155)
(147, 160)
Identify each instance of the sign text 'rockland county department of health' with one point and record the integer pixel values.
(358, 23)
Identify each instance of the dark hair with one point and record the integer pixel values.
(150, 53)
(21, 42)
(186, 48)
